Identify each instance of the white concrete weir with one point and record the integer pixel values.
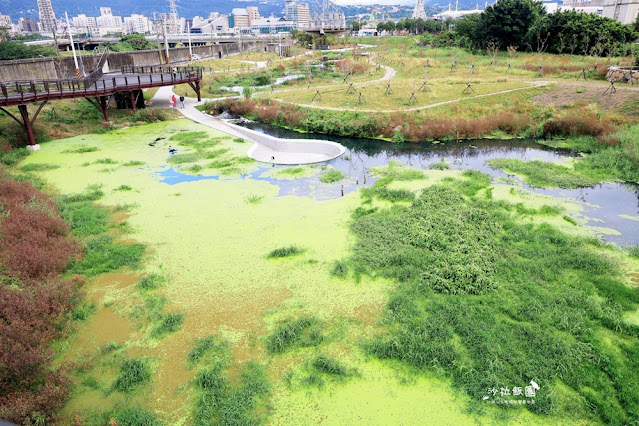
(266, 148)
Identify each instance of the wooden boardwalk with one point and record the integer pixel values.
(97, 88)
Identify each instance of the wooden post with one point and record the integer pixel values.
(26, 123)
(197, 90)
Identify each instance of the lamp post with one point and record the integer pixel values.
(75, 58)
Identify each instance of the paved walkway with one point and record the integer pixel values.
(267, 149)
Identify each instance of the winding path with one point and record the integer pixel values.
(534, 85)
(266, 148)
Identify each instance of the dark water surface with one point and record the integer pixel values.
(605, 205)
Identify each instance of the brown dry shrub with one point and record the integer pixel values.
(36, 247)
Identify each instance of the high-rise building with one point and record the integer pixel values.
(84, 24)
(290, 10)
(139, 24)
(5, 21)
(303, 16)
(28, 25)
(252, 13)
(624, 11)
(239, 19)
(107, 23)
(47, 16)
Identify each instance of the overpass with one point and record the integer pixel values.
(89, 43)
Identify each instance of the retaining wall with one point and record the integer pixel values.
(624, 75)
(56, 68)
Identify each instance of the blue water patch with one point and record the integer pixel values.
(173, 176)
(609, 205)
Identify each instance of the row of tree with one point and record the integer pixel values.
(525, 24)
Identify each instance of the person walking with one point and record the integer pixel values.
(182, 101)
(173, 101)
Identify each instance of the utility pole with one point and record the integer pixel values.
(75, 58)
(55, 41)
(157, 32)
(188, 30)
(166, 42)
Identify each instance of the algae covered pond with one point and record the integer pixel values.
(267, 295)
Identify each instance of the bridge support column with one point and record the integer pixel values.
(196, 87)
(27, 124)
(104, 106)
(132, 97)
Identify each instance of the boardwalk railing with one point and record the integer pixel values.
(27, 91)
(163, 69)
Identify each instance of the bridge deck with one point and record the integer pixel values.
(25, 92)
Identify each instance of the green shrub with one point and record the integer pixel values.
(93, 193)
(103, 255)
(134, 373)
(106, 161)
(474, 284)
(152, 281)
(12, 157)
(441, 165)
(132, 416)
(134, 163)
(285, 252)
(170, 323)
(302, 332)
(82, 311)
(81, 149)
(543, 174)
(331, 176)
(340, 269)
(202, 347)
(38, 167)
(84, 217)
(189, 136)
(383, 193)
(254, 199)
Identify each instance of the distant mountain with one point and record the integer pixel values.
(186, 8)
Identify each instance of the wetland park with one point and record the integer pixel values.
(471, 258)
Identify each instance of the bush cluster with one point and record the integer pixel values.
(35, 302)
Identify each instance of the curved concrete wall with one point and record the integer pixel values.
(287, 151)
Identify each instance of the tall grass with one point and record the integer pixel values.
(133, 374)
(102, 255)
(151, 281)
(490, 301)
(303, 331)
(131, 416)
(331, 176)
(543, 174)
(218, 401)
(287, 251)
(203, 347)
(169, 323)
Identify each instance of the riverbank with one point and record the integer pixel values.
(245, 252)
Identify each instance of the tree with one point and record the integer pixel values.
(466, 30)
(16, 50)
(508, 23)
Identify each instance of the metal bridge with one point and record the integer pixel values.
(326, 18)
(97, 88)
